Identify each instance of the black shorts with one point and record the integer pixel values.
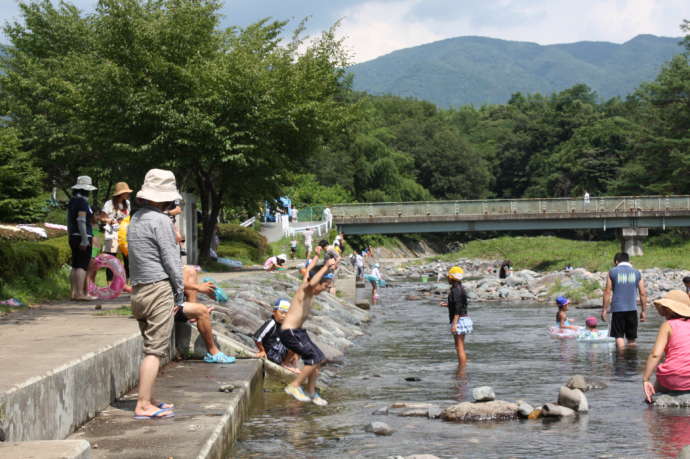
(297, 340)
(277, 353)
(80, 258)
(624, 325)
(180, 316)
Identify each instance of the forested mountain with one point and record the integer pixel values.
(479, 70)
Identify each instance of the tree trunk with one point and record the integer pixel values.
(211, 203)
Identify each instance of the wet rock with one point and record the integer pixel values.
(413, 379)
(483, 394)
(413, 298)
(381, 411)
(556, 411)
(415, 412)
(411, 405)
(585, 384)
(434, 412)
(524, 409)
(496, 410)
(671, 401)
(226, 388)
(573, 398)
(379, 428)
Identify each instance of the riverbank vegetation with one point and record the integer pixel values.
(549, 253)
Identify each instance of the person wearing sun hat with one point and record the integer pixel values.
(157, 284)
(114, 211)
(460, 322)
(80, 229)
(673, 340)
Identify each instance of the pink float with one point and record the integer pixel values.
(115, 287)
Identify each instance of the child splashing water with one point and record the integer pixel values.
(460, 322)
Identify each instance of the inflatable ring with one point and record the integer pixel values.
(559, 332)
(113, 290)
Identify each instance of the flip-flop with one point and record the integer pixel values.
(162, 406)
(160, 414)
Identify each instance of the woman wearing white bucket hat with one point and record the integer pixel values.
(157, 286)
(79, 226)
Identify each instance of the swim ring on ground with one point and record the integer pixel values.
(559, 332)
(115, 287)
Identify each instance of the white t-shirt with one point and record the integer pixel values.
(308, 236)
(376, 273)
(359, 261)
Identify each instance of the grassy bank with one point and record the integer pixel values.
(548, 253)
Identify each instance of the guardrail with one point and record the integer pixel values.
(612, 204)
(248, 223)
(320, 229)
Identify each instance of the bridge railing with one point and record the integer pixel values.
(609, 204)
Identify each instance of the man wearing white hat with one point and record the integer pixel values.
(157, 285)
(79, 226)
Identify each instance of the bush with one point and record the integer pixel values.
(28, 259)
(242, 243)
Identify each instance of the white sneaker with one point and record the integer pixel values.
(298, 393)
(317, 400)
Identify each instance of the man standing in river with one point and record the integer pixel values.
(622, 286)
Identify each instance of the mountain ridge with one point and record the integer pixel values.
(482, 70)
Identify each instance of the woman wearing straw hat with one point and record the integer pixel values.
(157, 285)
(674, 341)
(79, 226)
(114, 211)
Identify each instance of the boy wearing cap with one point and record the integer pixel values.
(316, 280)
(268, 341)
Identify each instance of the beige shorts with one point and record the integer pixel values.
(152, 306)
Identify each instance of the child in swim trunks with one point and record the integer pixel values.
(317, 279)
(562, 321)
(268, 341)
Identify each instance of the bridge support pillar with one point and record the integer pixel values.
(631, 240)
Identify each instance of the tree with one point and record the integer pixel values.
(144, 83)
(20, 182)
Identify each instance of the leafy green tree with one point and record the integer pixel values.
(307, 191)
(20, 182)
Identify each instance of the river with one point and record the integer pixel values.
(509, 350)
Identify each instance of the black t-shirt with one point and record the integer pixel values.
(457, 302)
(267, 334)
(78, 203)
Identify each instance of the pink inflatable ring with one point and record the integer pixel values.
(116, 285)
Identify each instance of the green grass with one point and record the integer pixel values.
(121, 311)
(32, 290)
(548, 253)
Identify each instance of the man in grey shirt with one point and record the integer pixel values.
(157, 286)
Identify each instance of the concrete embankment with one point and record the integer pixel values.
(66, 364)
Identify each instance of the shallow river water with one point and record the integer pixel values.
(509, 350)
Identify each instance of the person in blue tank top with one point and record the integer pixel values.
(621, 294)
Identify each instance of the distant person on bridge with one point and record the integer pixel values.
(620, 294)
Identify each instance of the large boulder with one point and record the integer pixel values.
(497, 410)
(573, 398)
(662, 400)
(556, 411)
(483, 394)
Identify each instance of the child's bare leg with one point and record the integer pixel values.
(311, 385)
(304, 374)
(460, 349)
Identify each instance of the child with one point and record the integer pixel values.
(562, 321)
(460, 322)
(273, 263)
(268, 342)
(293, 248)
(316, 280)
(591, 333)
(375, 280)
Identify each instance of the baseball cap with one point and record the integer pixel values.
(281, 304)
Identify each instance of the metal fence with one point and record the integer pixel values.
(612, 204)
(311, 214)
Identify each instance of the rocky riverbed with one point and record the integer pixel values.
(584, 288)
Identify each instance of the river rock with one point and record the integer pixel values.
(379, 428)
(585, 384)
(557, 411)
(662, 400)
(483, 394)
(524, 409)
(573, 398)
(434, 412)
(496, 410)
(381, 411)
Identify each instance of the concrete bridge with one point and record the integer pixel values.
(630, 215)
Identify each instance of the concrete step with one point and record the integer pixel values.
(206, 421)
(47, 449)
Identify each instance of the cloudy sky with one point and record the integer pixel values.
(375, 27)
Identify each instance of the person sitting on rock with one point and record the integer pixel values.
(274, 263)
(562, 321)
(268, 341)
(673, 340)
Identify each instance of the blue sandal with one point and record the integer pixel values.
(218, 358)
(160, 414)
